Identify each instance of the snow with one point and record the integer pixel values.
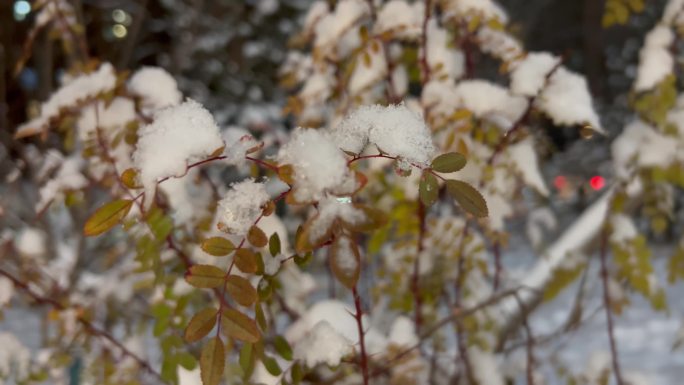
(655, 59)
(55, 10)
(525, 160)
(156, 87)
(318, 163)
(673, 11)
(177, 135)
(69, 177)
(317, 11)
(485, 368)
(329, 210)
(401, 19)
(344, 256)
(445, 62)
(623, 228)
(643, 143)
(322, 345)
(484, 99)
(486, 9)
(403, 332)
(14, 357)
(6, 291)
(238, 142)
(371, 67)
(241, 206)
(78, 89)
(566, 100)
(333, 25)
(106, 116)
(189, 377)
(499, 44)
(529, 75)
(395, 130)
(31, 242)
(539, 219)
(578, 234)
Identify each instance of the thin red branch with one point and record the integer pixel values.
(362, 344)
(608, 307)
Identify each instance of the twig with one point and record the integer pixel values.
(362, 344)
(460, 337)
(424, 66)
(607, 305)
(90, 328)
(457, 314)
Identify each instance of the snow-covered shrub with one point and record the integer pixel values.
(364, 246)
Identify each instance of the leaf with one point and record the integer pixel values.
(107, 217)
(271, 365)
(286, 174)
(256, 237)
(428, 189)
(373, 220)
(274, 244)
(212, 361)
(205, 276)
(246, 359)
(218, 246)
(449, 162)
(241, 290)
(345, 261)
(468, 198)
(129, 178)
(239, 326)
(283, 347)
(201, 324)
(246, 261)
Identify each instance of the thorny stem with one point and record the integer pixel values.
(457, 314)
(530, 352)
(89, 327)
(362, 343)
(424, 66)
(608, 307)
(460, 333)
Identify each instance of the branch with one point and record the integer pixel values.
(89, 327)
(607, 306)
(364, 357)
(578, 235)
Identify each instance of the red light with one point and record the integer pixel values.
(597, 182)
(560, 182)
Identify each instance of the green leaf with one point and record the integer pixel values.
(297, 373)
(428, 189)
(212, 361)
(283, 347)
(271, 365)
(467, 197)
(449, 162)
(201, 324)
(218, 246)
(241, 290)
(256, 237)
(246, 359)
(107, 217)
(205, 276)
(239, 326)
(246, 261)
(260, 317)
(274, 244)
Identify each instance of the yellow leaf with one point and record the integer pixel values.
(201, 324)
(205, 276)
(107, 217)
(239, 326)
(218, 246)
(241, 290)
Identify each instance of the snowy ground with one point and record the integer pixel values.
(644, 337)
